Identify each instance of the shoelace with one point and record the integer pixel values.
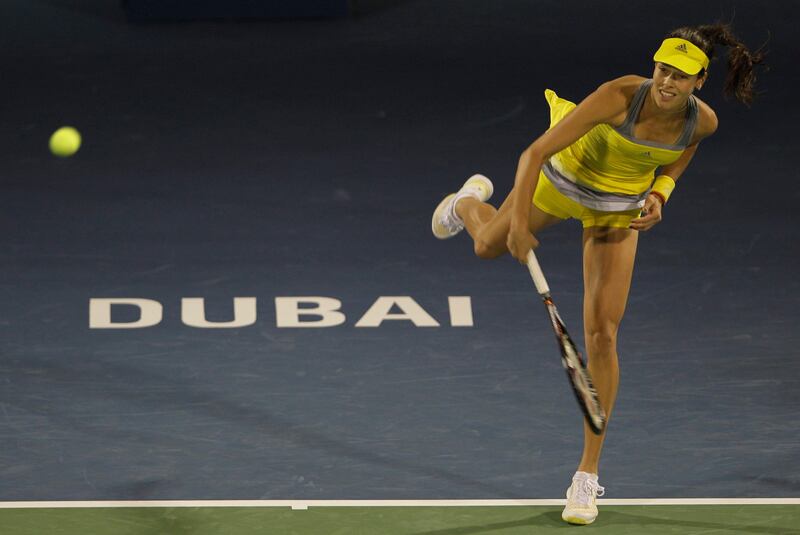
(451, 221)
(586, 490)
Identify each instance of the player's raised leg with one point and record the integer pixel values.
(608, 258)
(487, 225)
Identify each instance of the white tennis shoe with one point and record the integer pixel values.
(582, 496)
(446, 223)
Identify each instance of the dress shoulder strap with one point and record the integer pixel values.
(690, 124)
(626, 128)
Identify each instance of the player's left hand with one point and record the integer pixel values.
(651, 214)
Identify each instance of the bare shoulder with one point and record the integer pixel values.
(627, 84)
(616, 95)
(707, 121)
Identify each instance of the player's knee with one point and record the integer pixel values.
(486, 250)
(602, 340)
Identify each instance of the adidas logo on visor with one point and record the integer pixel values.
(682, 48)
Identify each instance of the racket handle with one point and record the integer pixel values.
(537, 275)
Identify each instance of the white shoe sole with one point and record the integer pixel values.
(574, 517)
(578, 521)
(439, 230)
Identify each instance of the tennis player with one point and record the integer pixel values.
(611, 162)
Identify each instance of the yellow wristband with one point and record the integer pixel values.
(663, 186)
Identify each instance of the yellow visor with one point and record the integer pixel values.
(682, 54)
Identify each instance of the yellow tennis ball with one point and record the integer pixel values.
(65, 141)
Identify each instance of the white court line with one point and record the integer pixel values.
(305, 504)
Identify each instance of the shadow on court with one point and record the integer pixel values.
(620, 523)
(549, 519)
(655, 520)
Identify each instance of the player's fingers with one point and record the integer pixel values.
(642, 223)
(519, 246)
(646, 222)
(532, 244)
(512, 248)
(521, 255)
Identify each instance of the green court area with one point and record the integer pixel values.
(617, 520)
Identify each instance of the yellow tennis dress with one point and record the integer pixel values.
(604, 177)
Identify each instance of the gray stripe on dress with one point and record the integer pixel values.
(590, 198)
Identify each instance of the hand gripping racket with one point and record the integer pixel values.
(570, 356)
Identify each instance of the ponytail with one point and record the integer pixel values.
(741, 61)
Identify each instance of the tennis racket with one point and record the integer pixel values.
(570, 356)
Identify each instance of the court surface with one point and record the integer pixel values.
(403, 519)
(281, 175)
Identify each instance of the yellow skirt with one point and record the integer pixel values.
(549, 200)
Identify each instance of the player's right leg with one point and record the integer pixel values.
(608, 258)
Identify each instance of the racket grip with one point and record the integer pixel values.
(537, 275)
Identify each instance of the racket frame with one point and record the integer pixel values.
(571, 357)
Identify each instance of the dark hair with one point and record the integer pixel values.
(741, 61)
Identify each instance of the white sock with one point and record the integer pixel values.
(469, 192)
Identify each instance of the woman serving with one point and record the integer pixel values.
(597, 163)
